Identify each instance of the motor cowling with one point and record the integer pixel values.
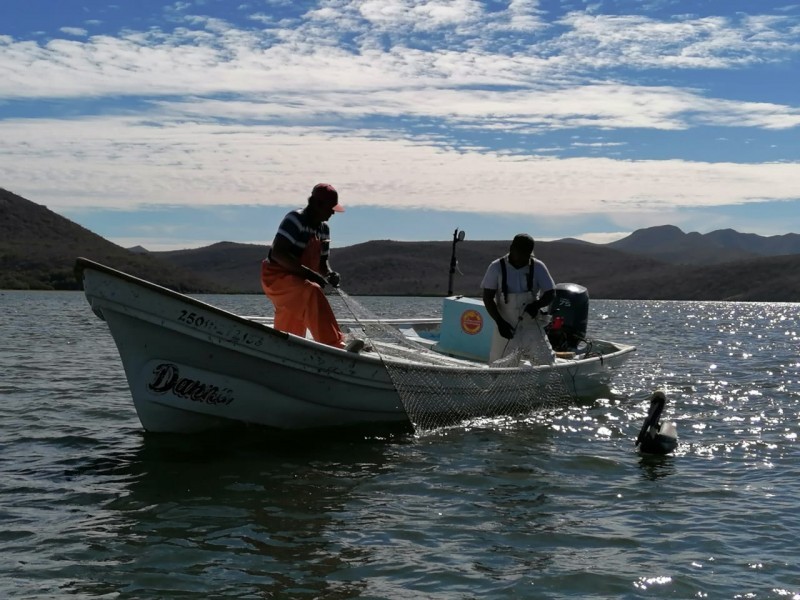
(570, 317)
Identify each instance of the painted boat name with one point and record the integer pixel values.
(167, 378)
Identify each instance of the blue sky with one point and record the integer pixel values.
(180, 124)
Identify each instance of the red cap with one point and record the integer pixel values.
(325, 191)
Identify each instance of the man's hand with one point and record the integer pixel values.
(532, 309)
(315, 277)
(505, 329)
(334, 278)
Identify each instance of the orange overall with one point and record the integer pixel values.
(299, 303)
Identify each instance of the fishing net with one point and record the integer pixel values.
(438, 390)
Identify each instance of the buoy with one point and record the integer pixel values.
(656, 437)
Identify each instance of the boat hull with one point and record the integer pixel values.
(193, 367)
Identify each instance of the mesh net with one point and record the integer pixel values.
(438, 390)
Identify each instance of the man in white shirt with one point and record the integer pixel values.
(515, 286)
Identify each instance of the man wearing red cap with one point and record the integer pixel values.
(296, 270)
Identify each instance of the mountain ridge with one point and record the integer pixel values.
(670, 244)
(38, 249)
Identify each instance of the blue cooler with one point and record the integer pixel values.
(467, 329)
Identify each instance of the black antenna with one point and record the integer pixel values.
(458, 236)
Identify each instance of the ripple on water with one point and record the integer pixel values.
(550, 506)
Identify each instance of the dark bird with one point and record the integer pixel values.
(655, 437)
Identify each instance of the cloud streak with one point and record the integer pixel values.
(345, 48)
(126, 162)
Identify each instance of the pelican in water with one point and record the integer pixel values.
(656, 437)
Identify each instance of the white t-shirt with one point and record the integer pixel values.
(517, 279)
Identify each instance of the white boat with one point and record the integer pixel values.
(193, 367)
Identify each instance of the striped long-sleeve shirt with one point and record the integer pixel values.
(298, 232)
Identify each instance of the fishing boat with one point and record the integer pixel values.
(193, 367)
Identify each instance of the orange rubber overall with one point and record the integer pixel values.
(299, 303)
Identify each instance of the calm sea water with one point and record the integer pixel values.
(557, 505)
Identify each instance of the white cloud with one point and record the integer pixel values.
(598, 41)
(277, 82)
(124, 162)
(610, 106)
(282, 72)
(524, 15)
(220, 51)
(178, 7)
(423, 15)
(165, 243)
(604, 238)
(74, 31)
(596, 144)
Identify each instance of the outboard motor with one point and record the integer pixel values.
(570, 317)
(655, 437)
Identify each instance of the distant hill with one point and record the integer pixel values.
(38, 249)
(770, 279)
(385, 267)
(422, 268)
(235, 266)
(669, 244)
(774, 245)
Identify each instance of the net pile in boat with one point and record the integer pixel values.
(438, 390)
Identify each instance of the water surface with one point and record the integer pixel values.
(555, 505)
